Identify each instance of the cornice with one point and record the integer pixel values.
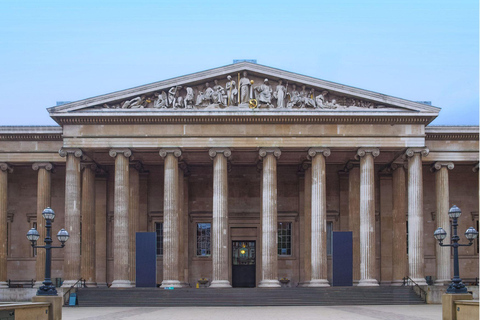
(247, 118)
(31, 133)
(452, 133)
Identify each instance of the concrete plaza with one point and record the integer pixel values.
(387, 312)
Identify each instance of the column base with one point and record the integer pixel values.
(91, 284)
(368, 283)
(38, 284)
(269, 284)
(420, 281)
(397, 283)
(121, 284)
(171, 283)
(102, 285)
(317, 283)
(442, 282)
(220, 284)
(68, 283)
(3, 284)
(304, 284)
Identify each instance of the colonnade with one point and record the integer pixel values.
(81, 202)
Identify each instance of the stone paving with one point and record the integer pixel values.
(387, 312)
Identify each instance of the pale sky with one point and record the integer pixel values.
(71, 50)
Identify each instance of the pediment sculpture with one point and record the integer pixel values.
(251, 92)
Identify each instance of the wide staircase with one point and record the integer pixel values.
(156, 297)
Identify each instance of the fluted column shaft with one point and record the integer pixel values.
(121, 276)
(416, 258)
(4, 170)
(220, 218)
(399, 210)
(44, 181)
(170, 219)
(71, 268)
(319, 218)
(181, 227)
(442, 194)
(88, 224)
(269, 218)
(308, 225)
(354, 218)
(133, 213)
(367, 216)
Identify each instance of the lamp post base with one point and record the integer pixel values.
(47, 290)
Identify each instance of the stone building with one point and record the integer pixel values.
(242, 165)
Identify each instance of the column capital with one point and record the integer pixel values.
(227, 153)
(312, 152)
(350, 165)
(361, 152)
(264, 151)
(439, 164)
(182, 165)
(91, 165)
(137, 165)
(394, 166)
(175, 151)
(475, 168)
(126, 152)
(75, 151)
(302, 167)
(411, 151)
(45, 165)
(6, 167)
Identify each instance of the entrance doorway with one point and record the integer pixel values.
(243, 264)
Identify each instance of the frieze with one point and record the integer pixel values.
(243, 91)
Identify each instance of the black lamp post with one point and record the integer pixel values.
(454, 213)
(48, 289)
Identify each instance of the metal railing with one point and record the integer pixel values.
(407, 281)
(21, 283)
(79, 284)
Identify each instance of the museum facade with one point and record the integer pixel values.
(244, 173)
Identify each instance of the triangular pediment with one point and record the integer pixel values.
(241, 87)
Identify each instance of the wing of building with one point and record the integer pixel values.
(249, 176)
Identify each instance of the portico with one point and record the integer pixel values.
(282, 178)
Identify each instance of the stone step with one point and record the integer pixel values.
(151, 297)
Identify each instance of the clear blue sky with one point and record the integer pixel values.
(71, 50)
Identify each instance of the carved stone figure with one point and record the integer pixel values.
(174, 99)
(280, 94)
(244, 86)
(232, 92)
(218, 94)
(294, 97)
(264, 95)
(200, 97)
(161, 100)
(135, 103)
(188, 101)
(208, 95)
(321, 99)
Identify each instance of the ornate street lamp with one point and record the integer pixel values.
(48, 289)
(471, 234)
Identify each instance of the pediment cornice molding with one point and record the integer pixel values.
(254, 69)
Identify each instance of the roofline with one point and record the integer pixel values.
(238, 67)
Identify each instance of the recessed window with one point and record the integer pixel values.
(203, 239)
(284, 238)
(159, 232)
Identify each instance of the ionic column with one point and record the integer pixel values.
(269, 218)
(101, 230)
(220, 217)
(71, 256)
(5, 169)
(399, 210)
(416, 260)
(121, 276)
(443, 220)
(87, 269)
(44, 182)
(307, 236)
(319, 218)
(170, 218)
(367, 216)
(133, 213)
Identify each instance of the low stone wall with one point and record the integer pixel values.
(17, 294)
(27, 311)
(435, 293)
(466, 309)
